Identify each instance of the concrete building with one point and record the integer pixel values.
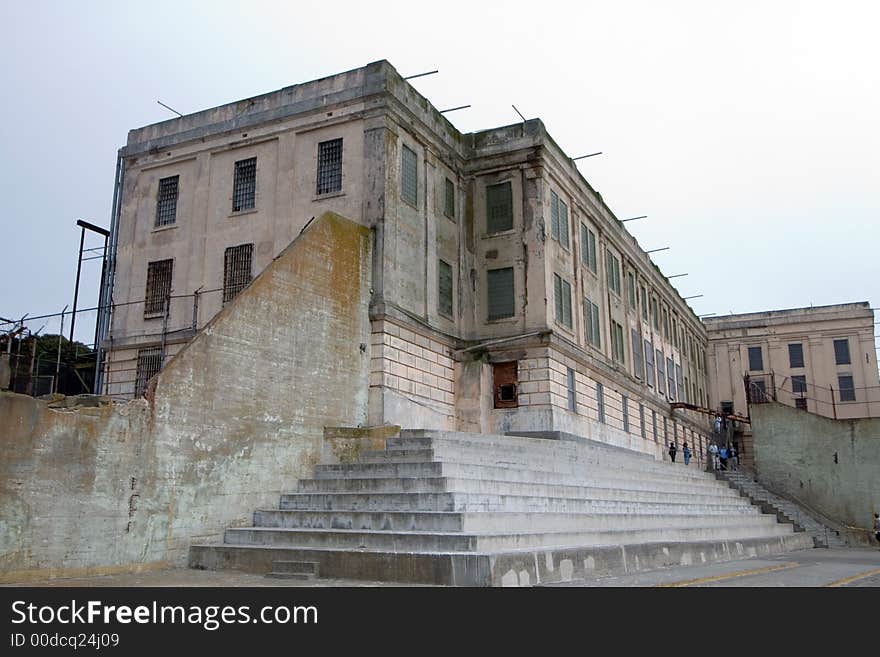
(819, 359)
(505, 294)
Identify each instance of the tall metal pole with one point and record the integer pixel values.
(58, 360)
(79, 262)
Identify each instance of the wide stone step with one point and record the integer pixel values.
(628, 490)
(525, 473)
(513, 568)
(446, 521)
(488, 502)
(483, 542)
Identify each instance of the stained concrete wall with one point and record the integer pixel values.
(234, 419)
(831, 465)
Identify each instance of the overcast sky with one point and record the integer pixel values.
(746, 131)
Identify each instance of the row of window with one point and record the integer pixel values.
(643, 363)
(796, 355)
(638, 296)
(237, 273)
(244, 183)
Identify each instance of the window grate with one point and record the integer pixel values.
(158, 286)
(330, 166)
(236, 270)
(588, 248)
(670, 376)
(638, 358)
(594, 329)
(244, 185)
(661, 373)
(166, 204)
(572, 392)
(409, 181)
(562, 292)
(756, 360)
(649, 363)
(847, 388)
(149, 363)
(600, 402)
(841, 352)
(499, 207)
(624, 403)
(799, 384)
(449, 199)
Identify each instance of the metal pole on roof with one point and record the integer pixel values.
(581, 157)
(410, 77)
(452, 109)
(634, 218)
(518, 112)
(677, 275)
(169, 108)
(665, 248)
(695, 296)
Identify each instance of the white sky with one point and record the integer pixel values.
(748, 132)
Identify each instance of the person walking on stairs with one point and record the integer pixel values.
(686, 453)
(713, 452)
(876, 526)
(672, 451)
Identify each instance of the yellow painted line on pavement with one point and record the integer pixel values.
(847, 580)
(739, 573)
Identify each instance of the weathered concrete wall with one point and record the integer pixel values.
(831, 465)
(234, 419)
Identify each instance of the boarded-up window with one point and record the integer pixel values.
(841, 352)
(649, 363)
(638, 360)
(158, 287)
(236, 270)
(624, 406)
(588, 248)
(166, 204)
(558, 219)
(661, 373)
(149, 362)
(329, 166)
(244, 185)
(756, 360)
(501, 293)
(562, 295)
(444, 293)
(409, 176)
(449, 199)
(612, 264)
(593, 327)
(499, 207)
(505, 383)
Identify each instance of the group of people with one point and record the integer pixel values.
(723, 458)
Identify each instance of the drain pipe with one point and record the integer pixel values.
(490, 343)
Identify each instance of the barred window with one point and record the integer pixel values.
(649, 363)
(562, 294)
(499, 207)
(631, 289)
(449, 199)
(642, 420)
(236, 270)
(756, 362)
(166, 203)
(329, 166)
(501, 293)
(409, 176)
(600, 402)
(612, 266)
(149, 362)
(796, 355)
(588, 248)
(558, 219)
(670, 375)
(618, 350)
(654, 424)
(661, 373)
(799, 384)
(841, 352)
(572, 392)
(593, 328)
(244, 185)
(638, 358)
(158, 286)
(624, 402)
(847, 388)
(444, 283)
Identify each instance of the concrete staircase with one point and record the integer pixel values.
(784, 509)
(455, 508)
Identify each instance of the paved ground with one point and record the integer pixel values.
(849, 567)
(812, 568)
